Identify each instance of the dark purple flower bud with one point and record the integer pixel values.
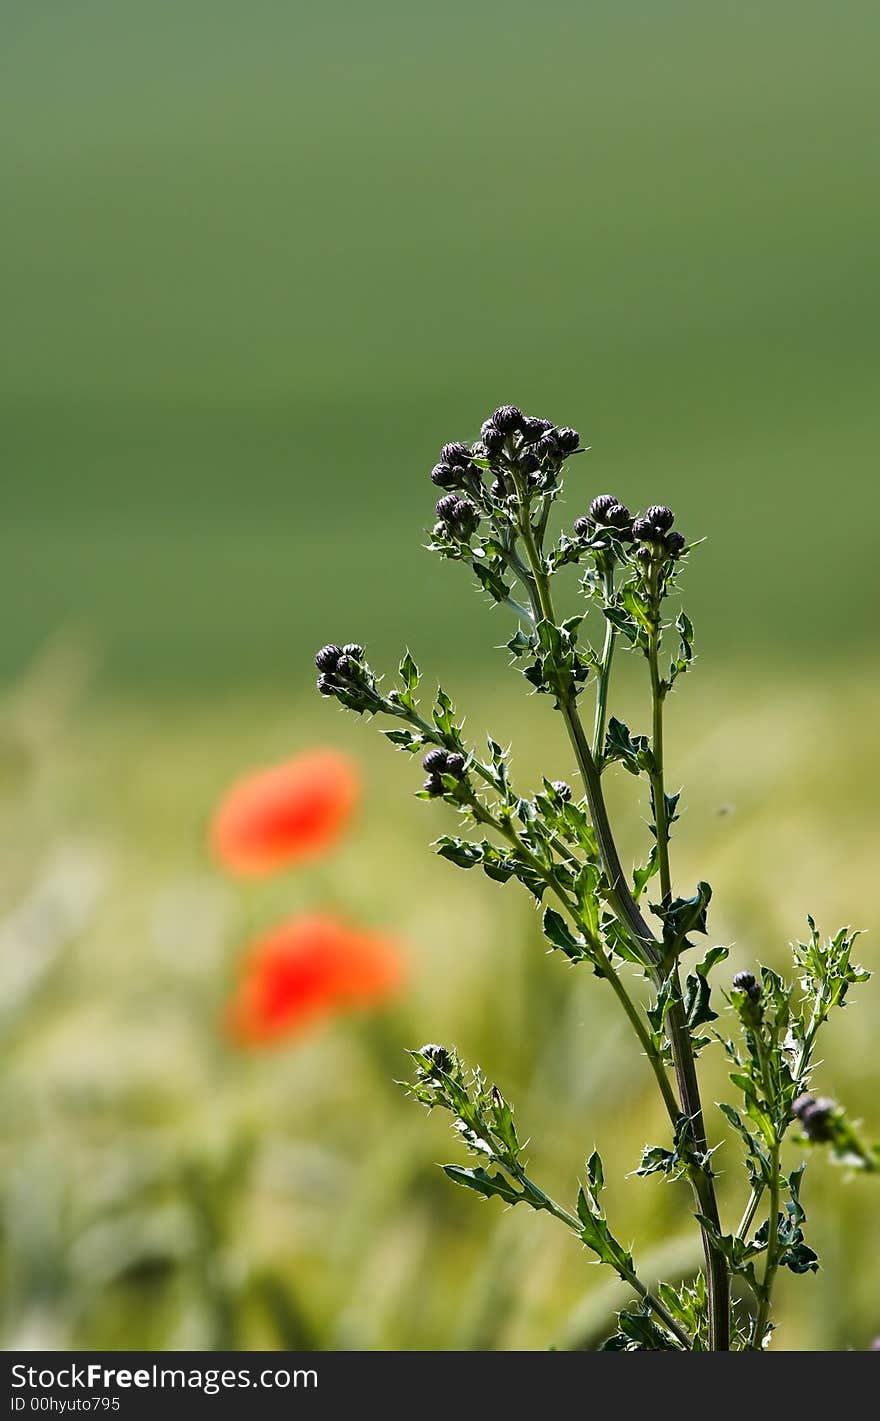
(437, 1055)
(444, 476)
(815, 1116)
(568, 439)
(354, 650)
(601, 504)
(646, 531)
(660, 517)
(562, 790)
(455, 454)
(327, 657)
(446, 507)
(529, 461)
(455, 765)
(618, 516)
(675, 544)
(465, 516)
(532, 429)
(547, 446)
(326, 686)
(435, 761)
(747, 982)
(344, 668)
(433, 784)
(508, 419)
(583, 527)
(493, 439)
(644, 555)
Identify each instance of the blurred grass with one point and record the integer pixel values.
(158, 1188)
(259, 263)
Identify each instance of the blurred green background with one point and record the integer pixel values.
(258, 263)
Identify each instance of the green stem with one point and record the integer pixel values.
(619, 894)
(658, 792)
(763, 1312)
(819, 1014)
(604, 673)
(679, 1032)
(627, 911)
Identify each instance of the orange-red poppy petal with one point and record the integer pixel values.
(285, 814)
(307, 969)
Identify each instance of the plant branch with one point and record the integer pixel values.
(603, 674)
(628, 913)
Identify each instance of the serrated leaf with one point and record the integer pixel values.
(461, 852)
(481, 1182)
(560, 935)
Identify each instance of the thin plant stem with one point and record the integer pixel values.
(626, 909)
(604, 672)
(679, 1033)
(763, 1313)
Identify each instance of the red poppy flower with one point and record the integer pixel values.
(307, 969)
(285, 814)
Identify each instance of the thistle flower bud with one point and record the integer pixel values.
(438, 1055)
(434, 785)
(456, 453)
(445, 476)
(583, 527)
(660, 517)
(568, 439)
(508, 419)
(446, 507)
(532, 429)
(815, 1116)
(493, 439)
(547, 446)
(644, 555)
(675, 544)
(435, 761)
(465, 517)
(344, 667)
(601, 504)
(455, 765)
(619, 518)
(645, 531)
(529, 461)
(354, 650)
(747, 982)
(326, 686)
(327, 657)
(562, 790)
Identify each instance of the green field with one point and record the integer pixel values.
(258, 263)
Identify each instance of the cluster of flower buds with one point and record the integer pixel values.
(511, 444)
(815, 1115)
(456, 517)
(748, 983)
(346, 675)
(455, 467)
(653, 532)
(606, 514)
(439, 762)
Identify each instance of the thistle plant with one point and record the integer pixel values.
(638, 933)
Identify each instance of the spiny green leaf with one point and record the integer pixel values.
(481, 1182)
